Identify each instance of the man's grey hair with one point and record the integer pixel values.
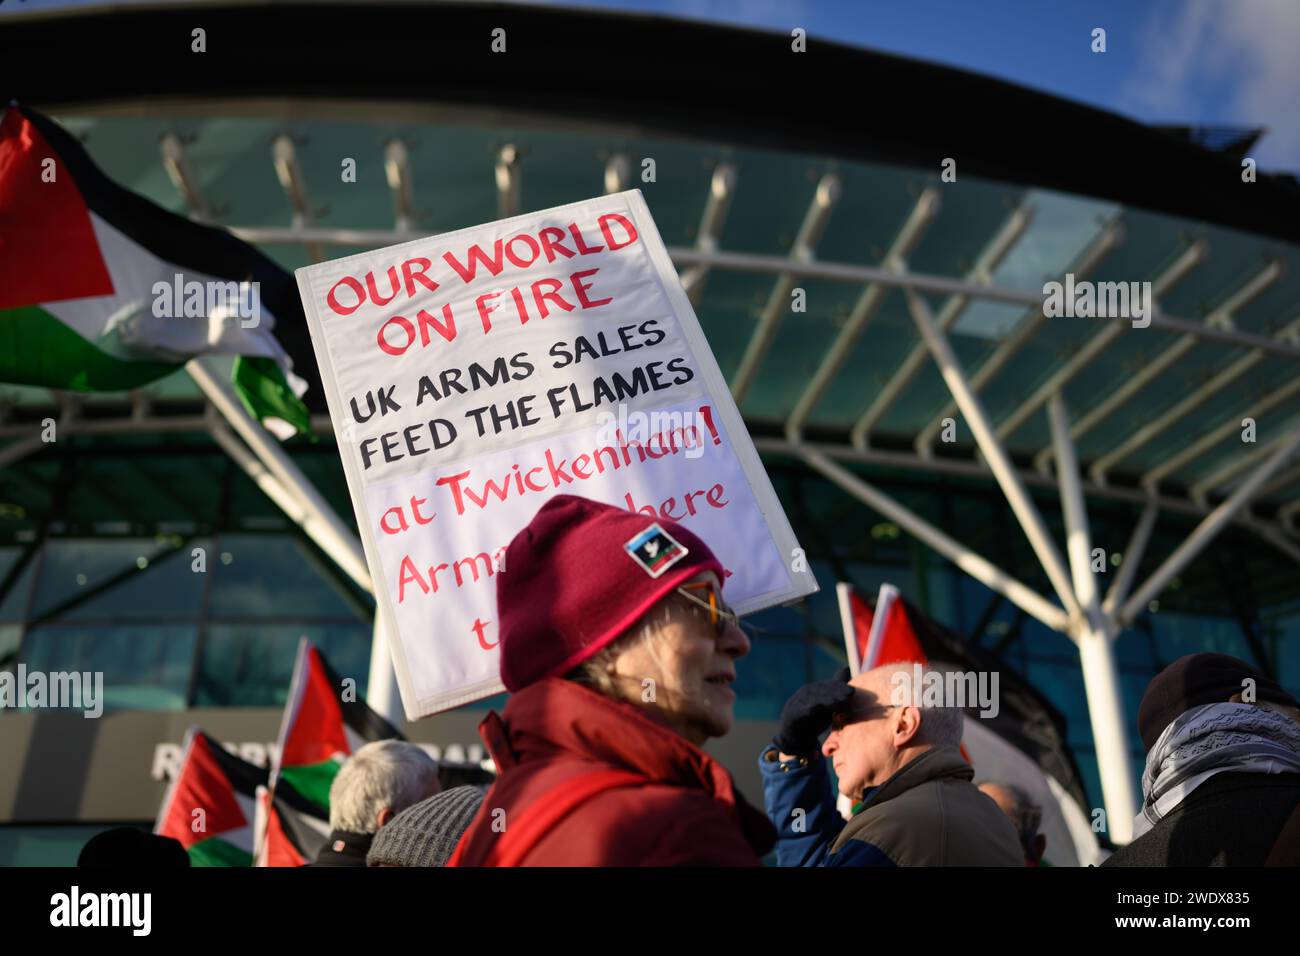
(940, 726)
(383, 775)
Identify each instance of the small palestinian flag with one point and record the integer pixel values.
(324, 723)
(1024, 744)
(101, 290)
(211, 803)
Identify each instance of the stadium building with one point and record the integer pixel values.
(866, 240)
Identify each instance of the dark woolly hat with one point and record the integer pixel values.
(426, 833)
(1200, 679)
(130, 847)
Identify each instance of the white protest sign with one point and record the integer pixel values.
(472, 376)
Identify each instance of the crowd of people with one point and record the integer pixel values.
(620, 667)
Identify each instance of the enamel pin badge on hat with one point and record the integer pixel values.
(655, 550)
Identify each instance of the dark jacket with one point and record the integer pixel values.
(1233, 819)
(344, 849)
(679, 808)
(927, 814)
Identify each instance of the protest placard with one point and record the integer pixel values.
(473, 375)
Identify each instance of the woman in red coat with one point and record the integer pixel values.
(619, 654)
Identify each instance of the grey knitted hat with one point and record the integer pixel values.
(426, 833)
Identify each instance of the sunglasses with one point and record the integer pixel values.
(705, 596)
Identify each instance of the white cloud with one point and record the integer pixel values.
(1240, 55)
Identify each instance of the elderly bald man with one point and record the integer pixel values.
(897, 758)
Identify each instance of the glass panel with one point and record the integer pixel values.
(13, 605)
(973, 211)
(1234, 258)
(798, 348)
(1062, 228)
(1245, 457)
(1180, 634)
(872, 362)
(154, 579)
(250, 665)
(144, 667)
(26, 845)
(1286, 651)
(272, 576)
(10, 636)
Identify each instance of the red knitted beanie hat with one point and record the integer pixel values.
(579, 575)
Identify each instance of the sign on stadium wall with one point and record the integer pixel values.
(471, 376)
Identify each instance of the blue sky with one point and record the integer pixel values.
(1198, 62)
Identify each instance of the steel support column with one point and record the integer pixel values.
(1093, 635)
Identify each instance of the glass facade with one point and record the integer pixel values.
(46, 845)
(195, 598)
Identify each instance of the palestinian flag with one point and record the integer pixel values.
(287, 835)
(1024, 744)
(101, 290)
(324, 723)
(210, 804)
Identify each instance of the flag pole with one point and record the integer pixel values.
(344, 540)
(885, 599)
(382, 693)
(320, 521)
(843, 594)
(261, 796)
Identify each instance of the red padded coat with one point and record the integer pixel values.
(586, 780)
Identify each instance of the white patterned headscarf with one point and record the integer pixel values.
(1209, 740)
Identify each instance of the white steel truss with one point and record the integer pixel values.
(982, 272)
(509, 178)
(1181, 409)
(284, 155)
(397, 170)
(1111, 235)
(1220, 318)
(810, 232)
(1056, 382)
(178, 171)
(1022, 505)
(722, 189)
(869, 302)
(1243, 462)
(1233, 425)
